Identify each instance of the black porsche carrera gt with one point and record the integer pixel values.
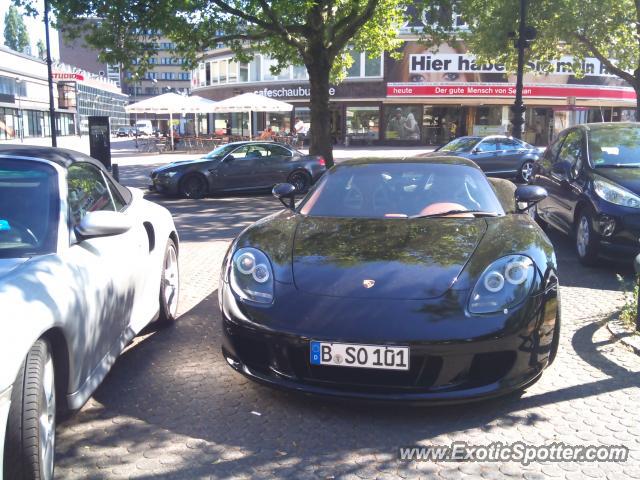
(394, 280)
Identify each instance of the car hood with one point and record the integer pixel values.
(182, 163)
(7, 265)
(382, 258)
(629, 178)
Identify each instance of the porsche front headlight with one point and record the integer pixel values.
(613, 193)
(251, 276)
(503, 285)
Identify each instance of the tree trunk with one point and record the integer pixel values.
(321, 141)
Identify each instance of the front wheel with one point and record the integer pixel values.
(526, 171)
(169, 285)
(300, 180)
(586, 240)
(31, 427)
(193, 186)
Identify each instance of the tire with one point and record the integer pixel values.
(194, 186)
(586, 239)
(301, 180)
(30, 440)
(526, 171)
(169, 285)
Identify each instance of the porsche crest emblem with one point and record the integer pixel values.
(368, 283)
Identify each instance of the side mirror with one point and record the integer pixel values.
(102, 224)
(528, 195)
(475, 150)
(285, 190)
(229, 158)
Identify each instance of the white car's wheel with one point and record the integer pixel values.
(169, 284)
(31, 428)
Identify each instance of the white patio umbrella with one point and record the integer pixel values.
(250, 102)
(167, 103)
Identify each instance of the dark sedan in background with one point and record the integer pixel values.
(496, 155)
(592, 174)
(239, 166)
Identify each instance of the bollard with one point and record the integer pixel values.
(115, 172)
(636, 266)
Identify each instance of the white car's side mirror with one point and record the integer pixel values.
(103, 223)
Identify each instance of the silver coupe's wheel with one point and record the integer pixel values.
(31, 429)
(526, 171)
(169, 284)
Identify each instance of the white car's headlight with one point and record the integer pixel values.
(610, 192)
(503, 285)
(251, 276)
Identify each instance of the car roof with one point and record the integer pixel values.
(606, 125)
(60, 156)
(442, 160)
(257, 142)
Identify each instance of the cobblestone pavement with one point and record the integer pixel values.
(171, 408)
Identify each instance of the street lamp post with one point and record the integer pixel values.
(52, 110)
(525, 35)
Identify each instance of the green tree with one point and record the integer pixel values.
(16, 36)
(608, 30)
(42, 50)
(315, 33)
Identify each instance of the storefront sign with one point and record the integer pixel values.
(289, 92)
(466, 63)
(594, 92)
(67, 76)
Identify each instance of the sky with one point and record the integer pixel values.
(35, 27)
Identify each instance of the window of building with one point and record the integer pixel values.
(363, 123)
(299, 72)
(355, 68)
(215, 73)
(244, 72)
(233, 71)
(403, 122)
(224, 65)
(372, 66)
(256, 68)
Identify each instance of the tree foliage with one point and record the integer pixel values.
(314, 33)
(16, 36)
(608, 30)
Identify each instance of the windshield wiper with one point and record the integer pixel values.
(618, 165)
(476, 213)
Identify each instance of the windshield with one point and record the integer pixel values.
(29, 226)
(615, 146)
(462, 144)
(221, 151)
(400, 190)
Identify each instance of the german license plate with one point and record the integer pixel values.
(360, 356)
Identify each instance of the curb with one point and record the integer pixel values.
(624, 333)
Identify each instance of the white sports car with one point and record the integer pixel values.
(85, 264)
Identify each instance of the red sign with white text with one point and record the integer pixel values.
(67, 76)
(591, 92)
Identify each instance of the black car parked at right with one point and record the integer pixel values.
(592, 175)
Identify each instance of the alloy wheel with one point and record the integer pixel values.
(47, 419)
(171, 281)
(582, 236)
(526, 171)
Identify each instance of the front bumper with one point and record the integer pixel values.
(163, 184)
(441, 370)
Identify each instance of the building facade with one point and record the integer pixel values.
(426, 97)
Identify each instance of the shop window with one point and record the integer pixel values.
(372, 66)
(488, 120)
(363, 123)
(304, 114)
(299, 72)
(355, 68)
(403, 122)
